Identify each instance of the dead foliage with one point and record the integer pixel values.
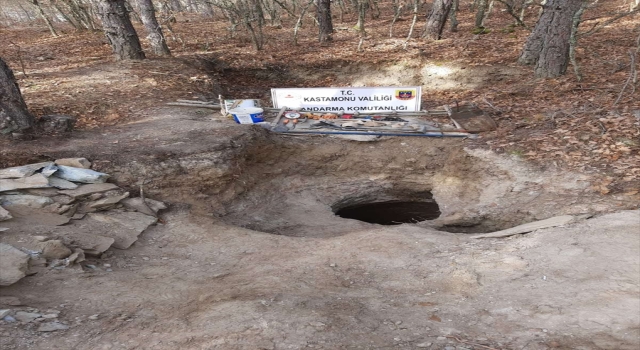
(586, 126)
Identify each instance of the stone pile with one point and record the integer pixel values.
(79, 212)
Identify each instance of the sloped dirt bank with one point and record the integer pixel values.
(252, 256)
(261, 180)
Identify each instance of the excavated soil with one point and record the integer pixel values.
(252, 256)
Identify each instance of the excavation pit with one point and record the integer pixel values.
(391, 212)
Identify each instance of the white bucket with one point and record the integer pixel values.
(231, 104)
(247, 115)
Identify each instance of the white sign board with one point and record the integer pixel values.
(349, 100)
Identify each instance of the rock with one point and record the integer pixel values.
(52, 208)
(55, 123)
(49, 170)
(54, 249)
(65, 208)
(52, 326)
(13, 264)
(74, 162)
(26, 317)
(23, 215)
(63, 199)
(123, 227)
(9, 319)
(34, 261)
(44, 192)
(91, 244)
(22, 171)
(57, 208)
(78, 216)
(4, 312)
(423, 345)
(76, 257)
(95, 196)
(85, 190)
(49, 316)
(33, 181)
(536, 225)
(62, 184)
(155, 205)
(11, 301)
(93, 317)
(2, 229)
(72, 211)
(80, 175)
(107, 202)
(26, 200)
(4, 214)
(152, 207)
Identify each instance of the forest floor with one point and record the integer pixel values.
(213, 275)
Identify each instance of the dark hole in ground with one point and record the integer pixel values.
(391, 212)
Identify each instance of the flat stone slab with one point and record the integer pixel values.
(123, 227)
(152, 207)
(4, 214)
(86, 190)
(13, 264)
(26, 200)
(33, 181)
(74, 162)
(22, 171)
(26, 317)
(80, 175)
(44, 192)
(107, 201)
(62, 184)
(52, 326)
(91, 244)
(23, 215)
(532, 226)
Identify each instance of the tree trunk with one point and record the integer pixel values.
(154, 31)
(14, 115)
(324, 19)
(64, 15)
(437, 19)
(548, 44)
(176, 5)
(480, 13)
(361, 7)
(119, 30)
(208, 9)
(455, 5)
(45, 18)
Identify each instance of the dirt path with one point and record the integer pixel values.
(198, 284)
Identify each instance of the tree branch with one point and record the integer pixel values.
(597, 28)
(510, 11)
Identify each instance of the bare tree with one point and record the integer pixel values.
(14, 115)
(119, 30)
(548, 44)
(44, 17)
(154, 31)
(324, 19)
(437, 18)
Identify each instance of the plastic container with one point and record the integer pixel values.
(231, 104)
(247, 115)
